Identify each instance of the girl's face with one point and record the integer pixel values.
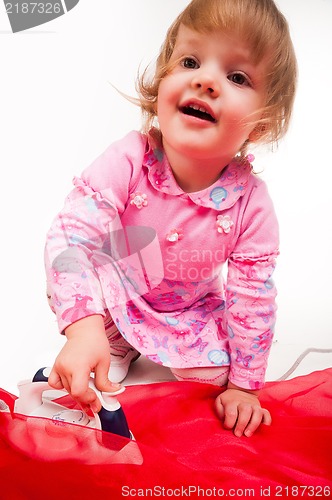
(207, 103)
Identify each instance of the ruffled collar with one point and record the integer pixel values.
(221, 195)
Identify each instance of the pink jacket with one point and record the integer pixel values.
(131, 241)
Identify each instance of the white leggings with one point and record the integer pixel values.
(208, 375)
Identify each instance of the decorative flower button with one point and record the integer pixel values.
(224, 224)
(174, 235)
(139, 200)
(249, 158)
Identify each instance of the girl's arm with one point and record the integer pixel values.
(79, 265)
(250, 313)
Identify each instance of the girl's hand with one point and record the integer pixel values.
(241, 410)
(86, 351)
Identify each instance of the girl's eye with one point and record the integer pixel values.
(189, 63)
(239, 79)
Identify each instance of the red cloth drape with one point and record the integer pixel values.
(185, 450)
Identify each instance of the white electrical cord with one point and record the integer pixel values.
(300, 358)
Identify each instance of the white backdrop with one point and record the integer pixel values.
(58, 112)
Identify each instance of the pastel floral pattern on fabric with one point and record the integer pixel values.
(139, 200)
(222, 195)
(186, 315)
(224, 224)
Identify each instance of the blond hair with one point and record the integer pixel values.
(258, 23)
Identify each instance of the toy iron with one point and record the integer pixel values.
(110, 418)
(57, 431)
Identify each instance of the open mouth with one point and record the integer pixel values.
(198, 112)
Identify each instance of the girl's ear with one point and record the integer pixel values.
(257, 133)
(261, 130)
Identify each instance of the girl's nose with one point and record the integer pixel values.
(206, 82)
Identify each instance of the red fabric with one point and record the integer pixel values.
(184, 448)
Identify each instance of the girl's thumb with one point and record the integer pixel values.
(102, 381)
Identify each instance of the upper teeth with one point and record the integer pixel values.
(197, 107)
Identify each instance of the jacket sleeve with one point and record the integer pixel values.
(79, 256)
(250, 291)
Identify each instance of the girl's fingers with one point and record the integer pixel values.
(219, 409)
(79, 386)
(230, 415)
(243, 418)
(102, 381)
(259, 416)
(227, 413)
(267, 419)
(247, 415)
(59, 381)
(54, 380)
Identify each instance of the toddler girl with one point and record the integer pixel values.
(134, 259)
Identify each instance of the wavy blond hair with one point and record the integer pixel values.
(258, 23)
